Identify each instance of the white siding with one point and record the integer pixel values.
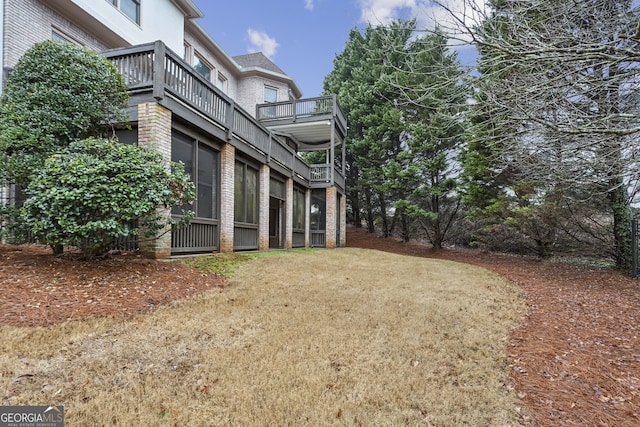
(159, 20)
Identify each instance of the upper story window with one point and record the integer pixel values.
(187, 53)
(221, 82)
(202, 67)
(131, 8)
(270, 94)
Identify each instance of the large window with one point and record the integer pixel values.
(202, 67)
(131, 8)
(201, 163)
(246, 194)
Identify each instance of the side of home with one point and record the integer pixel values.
(237, 123)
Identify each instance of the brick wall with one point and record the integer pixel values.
(28, 22)
(332, 217)
(227, 176)
(288, 229)
(154, 131)
(250, 92)
(263, 207)
(307, 218)
(343, 220)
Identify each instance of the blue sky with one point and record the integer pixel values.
(301, 36)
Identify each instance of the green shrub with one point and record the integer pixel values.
(89, 193)
(57, 93)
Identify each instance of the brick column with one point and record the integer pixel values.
(288, 217)
(343, 221)
(154, 131)
(263, 207)
(332, 217)
(227, 177)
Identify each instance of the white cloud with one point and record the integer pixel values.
(428, 13)
(308, 4)
(261, 42)
(382, 12)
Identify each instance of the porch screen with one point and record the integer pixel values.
(318, 210)
(298, 209)
(201, 163)
(245, 194)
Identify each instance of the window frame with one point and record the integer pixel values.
(137, 3)
(58, 35)
(221, 82)
(275, 93)
(198, 59)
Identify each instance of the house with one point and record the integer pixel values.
(238, 123)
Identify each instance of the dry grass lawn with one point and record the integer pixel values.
(319, 338)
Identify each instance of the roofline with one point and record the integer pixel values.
(209, 42)
(188, 8)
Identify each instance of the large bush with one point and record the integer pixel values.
(88, 195)
(57, 93)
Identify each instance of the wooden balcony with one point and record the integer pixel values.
(314, 124)
(155, 73)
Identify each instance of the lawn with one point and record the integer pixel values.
(323, 337)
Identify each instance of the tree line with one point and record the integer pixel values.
(534, 150)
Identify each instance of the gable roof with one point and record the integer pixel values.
(258, 60)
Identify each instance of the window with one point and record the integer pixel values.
(270, 94)
(187, 53)
(58, 36)
(131, 8)
(201, 163)
(245, 194)
(202, 67)
(221, 82)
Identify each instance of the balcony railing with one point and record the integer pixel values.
(298, 109)
(155, 69)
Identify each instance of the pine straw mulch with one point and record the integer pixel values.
(574, 360)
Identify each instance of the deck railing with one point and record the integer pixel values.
(154, 68)
(301, 109)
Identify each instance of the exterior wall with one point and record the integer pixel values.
(307, 218)
(343, 221)
(27, 22)
(227, 175)
(229, 74)
(288, 228)
(250, 92)
(263, 207)
(332, 217)
(154, 131)
(159, 20)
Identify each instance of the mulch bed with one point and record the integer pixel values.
(574, 360)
